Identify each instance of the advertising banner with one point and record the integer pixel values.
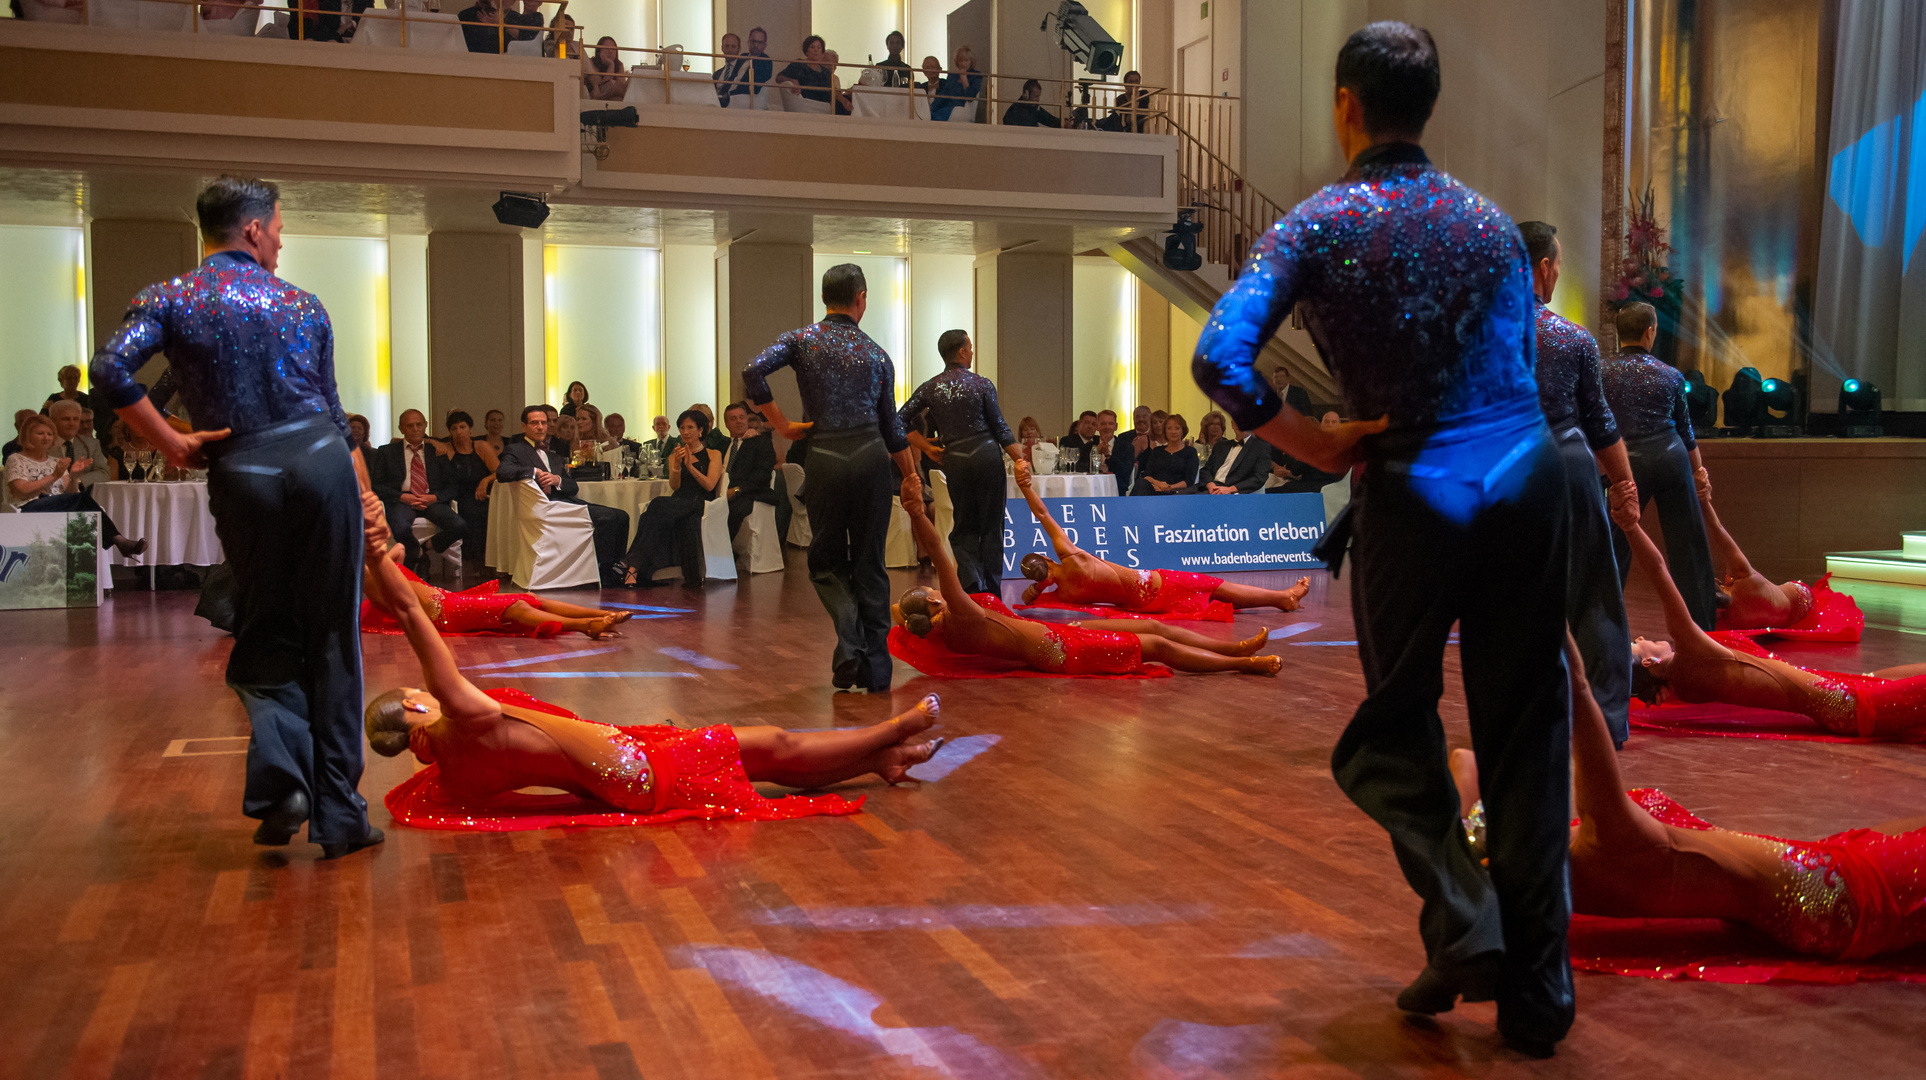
(1205, 534)
(50, 561)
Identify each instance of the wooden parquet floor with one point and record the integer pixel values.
(1127, 879)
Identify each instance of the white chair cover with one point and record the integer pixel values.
(899, 550)
(1043, 458)
(793, 101)
(557, 537)
(757, 539)
(965, 113)
(945, 516)
(799, 533)
(244, 23)
(433, 31)
(136, 15)
(718, 557)
(424, 531)
(1337, 494)
(531, 47)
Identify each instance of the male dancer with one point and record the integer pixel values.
(254, 358)
(1647, 396)
(848, 390)
(963, 411)
(1419, 298)
(1573, 397)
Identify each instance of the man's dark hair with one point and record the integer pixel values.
(951, 343)
(457, 417)
(1392, 69)
(526, 409)
(842, 283)
(1541, 240)
(743, 405)
(230, 203)
(694, 415)
(1633, 320)
(1085, 413)
(1028, 83)
(897, 34)
(1646, 684)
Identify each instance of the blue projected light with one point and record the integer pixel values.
(1852, 386)
(1864, 180)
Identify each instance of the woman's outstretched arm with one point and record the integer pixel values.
(1730, 562)
(1059, 539)
(440, 674)
(1678, 619)
(953, 592)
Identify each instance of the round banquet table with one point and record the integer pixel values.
(1067, 486)
(172, 516)
(628, 496)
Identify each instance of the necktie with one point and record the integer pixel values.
(417, 473)
(70, 450)
(731, 458)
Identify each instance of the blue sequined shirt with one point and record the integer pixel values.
(961, 404)
(1647, 396)
(246, 349)
(846, 380)
(1570, 385)
(1415, 288)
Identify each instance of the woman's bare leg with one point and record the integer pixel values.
(1904, 671)
(1181, 635)
(575, 611)
(1464, 774)
(1186, 658)
(813, 759)
(1903, 825)
(1246, 596)
(521, 614)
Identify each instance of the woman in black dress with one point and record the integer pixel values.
(1170, 469)
(475, 463)
(670, 530)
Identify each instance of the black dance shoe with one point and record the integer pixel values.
(283, 821)
(1434, 992)
(844, 675)
(349, 847)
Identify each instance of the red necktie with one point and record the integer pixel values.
(417, 473)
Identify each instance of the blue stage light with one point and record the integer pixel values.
(1852, 386)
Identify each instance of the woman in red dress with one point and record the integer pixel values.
(1793, 609)
(482, 610)
(982, 626)
(484, 746)
(1729, 669)
(1639, 855)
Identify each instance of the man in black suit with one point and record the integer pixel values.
(1075, 449)
(747, 461)
(1238, 467)
(413, 480)
(529, 458)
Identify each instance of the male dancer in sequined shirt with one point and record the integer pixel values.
(1418, 295)
(254, 358)
(848, 387)
(962, 409)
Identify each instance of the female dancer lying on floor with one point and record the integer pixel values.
(962, 625)
(1888, 704)
(488, 744)
(1083, 579)
(1755, 603)
(481, 610)
(1639, 855)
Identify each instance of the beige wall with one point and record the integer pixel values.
(787, 21)
(124, 257)
(1024, 328)
(475, 314)
(762, 291)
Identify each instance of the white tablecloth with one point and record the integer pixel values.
(628, 496)
(889, 103)
(1068, 486)
(173, 517)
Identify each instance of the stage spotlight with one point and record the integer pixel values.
(1080, 35)
(1744, 411)
(1777, 396)
(1180, 247)
(1701, 401)
(521, 209)
(1859, 407)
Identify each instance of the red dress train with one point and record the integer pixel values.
(1828, 616)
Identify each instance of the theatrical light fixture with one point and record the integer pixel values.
(1779, 404)
(1701, 401)
(1744, 411)
(521, 209)
(1180, 247)
(1859, 410)
(1080, 35)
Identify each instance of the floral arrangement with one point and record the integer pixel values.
(1643, 274)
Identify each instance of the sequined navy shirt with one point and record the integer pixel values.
(961, 404)
(847, 381)
(247, 350)
(1415, 288)
(1570, 385)
(1647, 395)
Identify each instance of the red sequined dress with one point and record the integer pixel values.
(1855, 706)
(480, 610)
(659, 773)
(1178, 594)
(1823, 616)
(1852, 895)
(1073, 651)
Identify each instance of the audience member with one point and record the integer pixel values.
(670, 529)
(54, 11)
(1107, 441)
(474, 463)
(895, 72)
(959, 88)
(748, 460)
(832, 58)
(602, 72)
(560, 44)
(712, 436)
(568, 434)
(932, 77)
(73, 441)
(39, 483)
(1076, 450)
(490, 25)
(319, 20)
(19, 423)
(574, 397)
(614, 438)
(125, 445)
(1295, 396)
(1040, 452)
(735, 79)
(69, 377)
(358, 434)
(492, 424)
(1299, 478)
(811, 76)
(529, 457)
(1170, 468)
(1210, 432)
(663, 443)
(1132, 108)
(1238, 466)
(763, 68)
(413, 479)
(1027, 112)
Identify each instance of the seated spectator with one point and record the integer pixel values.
(1132, 109)
(669, 531)
(19, 423)
(574, 397)
(1210, 432)
(748, 461)
(69, 377)
(735, 79)
(490, 25)
(39, 483)
(54, 11)
(492, 429)
(560, 44)
(126, 447)
(1027, 112)
(932, 76)
(73, 440)
(712, 436)
(413, 479)
(318, 20)
(1156, 429)
(1298, 477)
(358, 434)
(588, 425)
(663, 441)
(1076, 451)
(832, 58)
(762, 68)
(227, 10)
(1237, 466)
(894, 71)
(1041, 454)
(613, 431)
(473, 463)
(959, 88)
(569, 434)
(528, 457)
(810, 76)
(1171, 468)
(602, 72)
(1109, 448)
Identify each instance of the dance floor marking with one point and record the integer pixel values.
(1294, 629)
(178, 747)
(696, 659)
(550, 658)
(978, 916)
(659, 611)
(588, 675)
(954, 755)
